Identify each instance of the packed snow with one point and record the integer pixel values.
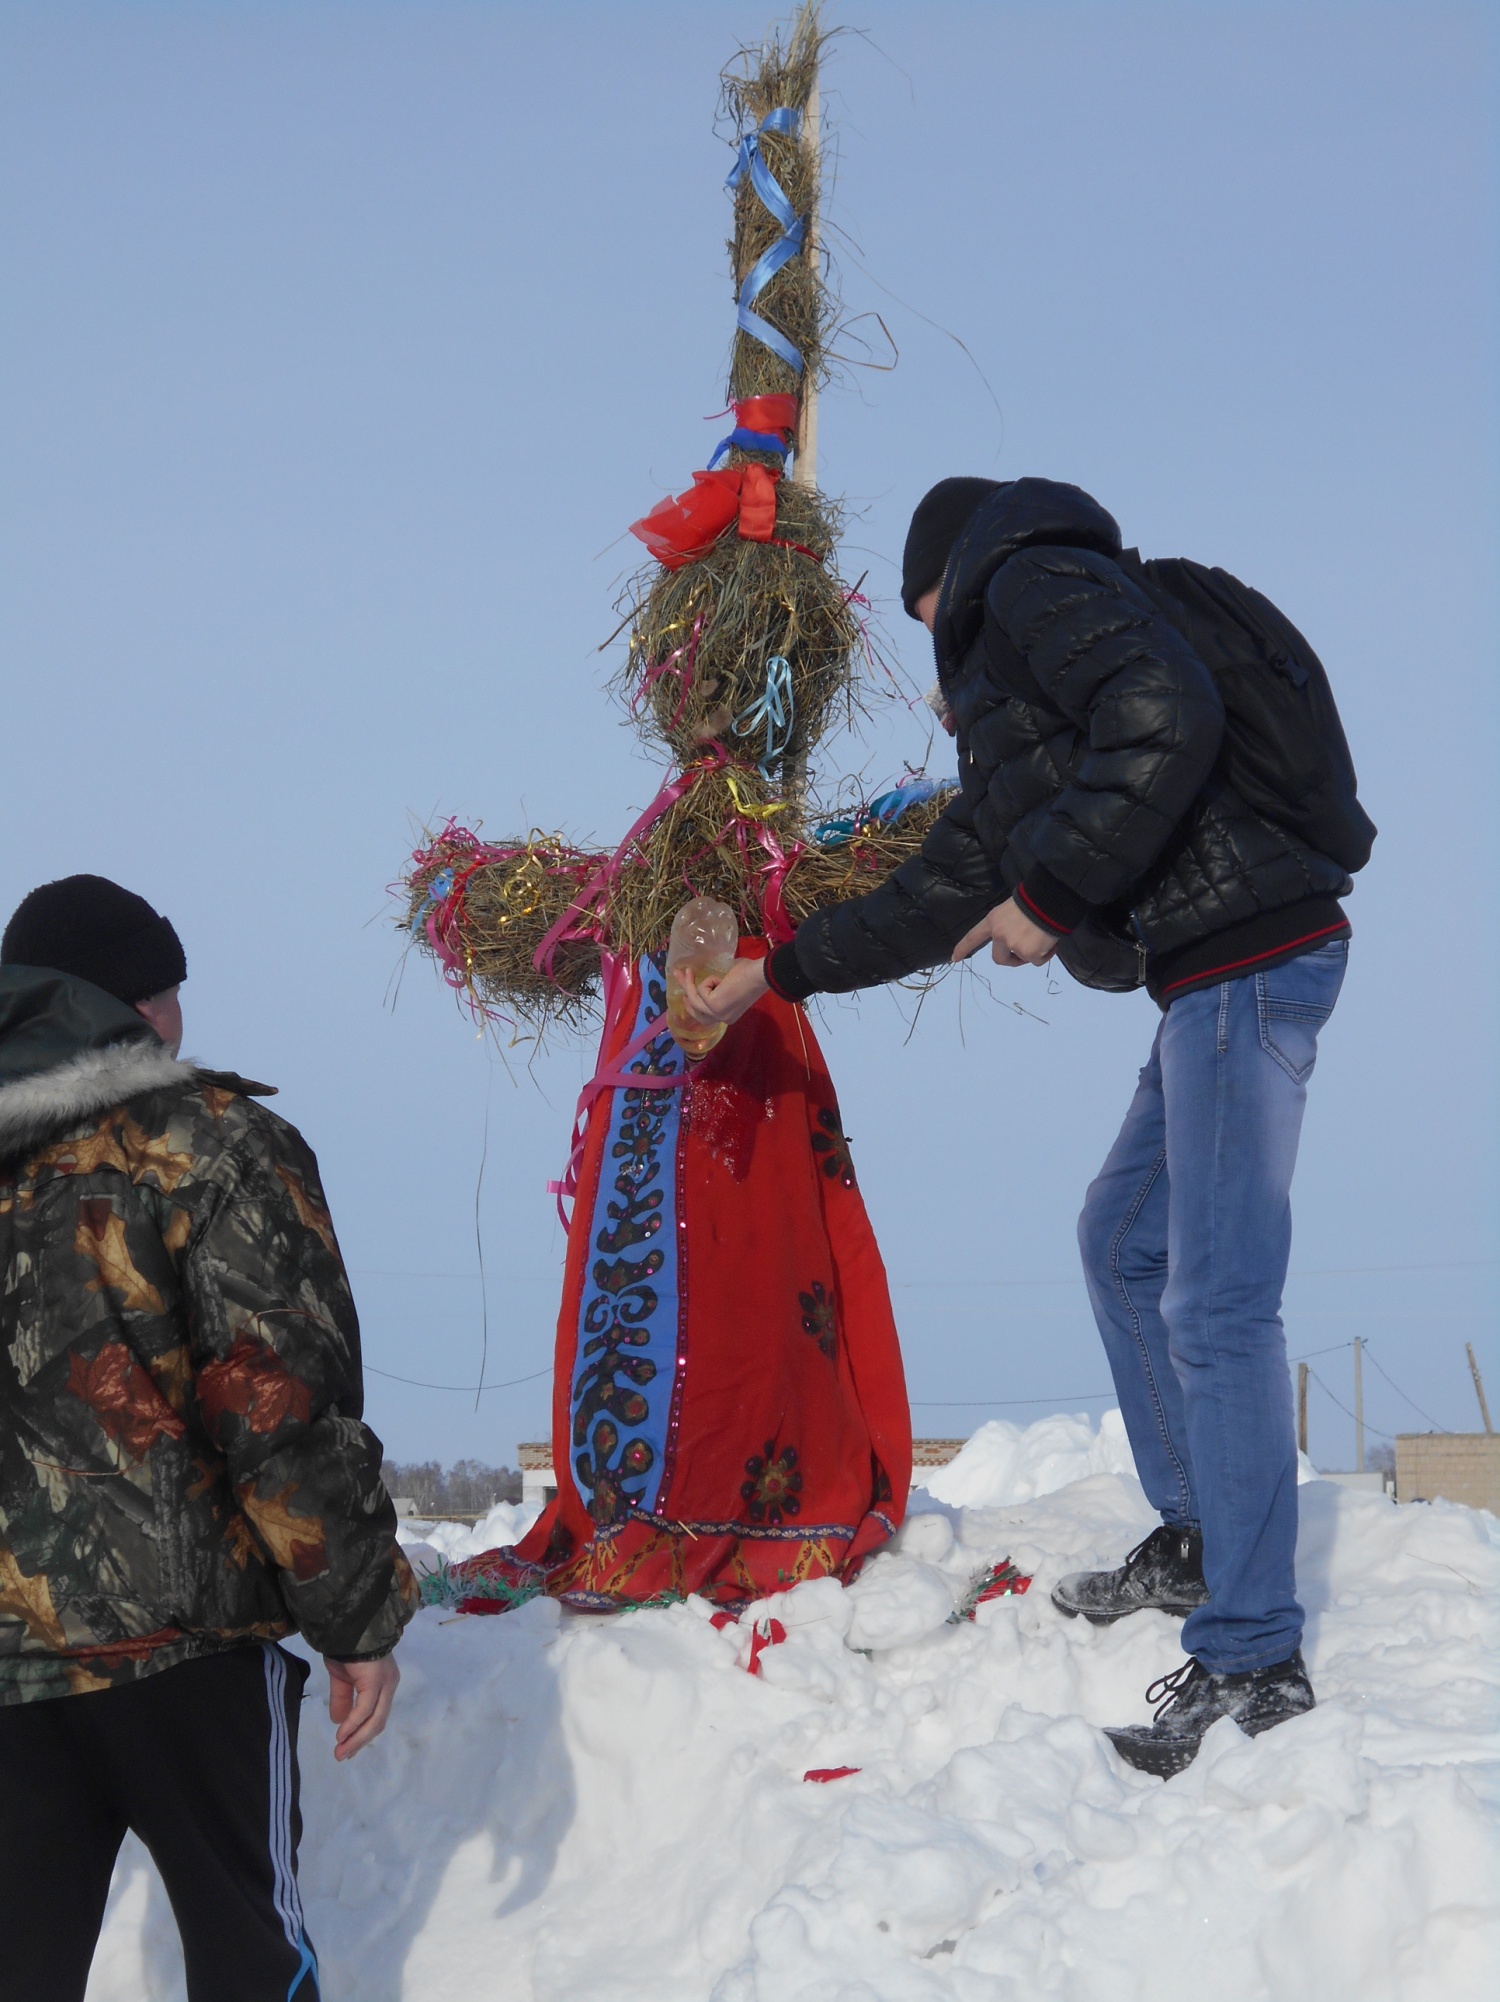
(575, 1809)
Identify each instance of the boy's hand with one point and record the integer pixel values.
(1011, 936)
(724, 997)
(360, 1694)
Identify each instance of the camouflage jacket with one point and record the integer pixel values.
(182, 1462)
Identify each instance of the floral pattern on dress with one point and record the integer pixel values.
(773, 1490)
(819, 1318)
(832, 1147)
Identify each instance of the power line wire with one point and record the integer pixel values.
(467, 1389)
(947, 1285)
(1345, 1409)
(1072, 1397)
(1402, 1394)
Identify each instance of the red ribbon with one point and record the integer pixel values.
(767, 413)
(678, 531)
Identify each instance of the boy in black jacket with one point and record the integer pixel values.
(1151, 819)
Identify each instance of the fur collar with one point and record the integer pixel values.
(50, 1101)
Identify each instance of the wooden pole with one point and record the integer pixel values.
(1302, 1407)
(805, 465)
(1484, 1409)
(1359, 1405)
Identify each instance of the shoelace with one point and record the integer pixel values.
(1146, 1541)
(1170, 1689)
(1131, 1555)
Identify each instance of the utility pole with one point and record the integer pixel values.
(1484, 1409)
(805, 461)
(1359, 1405)
(1302, 1407)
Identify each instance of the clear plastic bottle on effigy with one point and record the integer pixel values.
(703, 941)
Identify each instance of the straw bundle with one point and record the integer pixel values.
(759, 81)
(823, 876)
(703, 638)
(718, 840)
(483, 909)
(740, 658)
(486, 909)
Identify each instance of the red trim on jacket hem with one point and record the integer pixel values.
(1212, 973)
(1052, 924)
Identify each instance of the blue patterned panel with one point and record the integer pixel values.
(627, 1322)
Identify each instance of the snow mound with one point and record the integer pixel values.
(569, 1809)
(1005, 1463)
(431, 1544)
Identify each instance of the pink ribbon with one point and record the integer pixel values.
(670, 665)
(775, 869)
(442, 914)
(611, 1074)
(567, 926)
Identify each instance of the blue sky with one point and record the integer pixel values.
(339, 343)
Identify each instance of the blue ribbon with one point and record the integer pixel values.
(751, 161)
(434, 894)
(880, 811)
(775, 709)
(749, 441)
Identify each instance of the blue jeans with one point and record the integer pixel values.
(1185, 1239)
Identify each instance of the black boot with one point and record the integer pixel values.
(1194, 1698)
(1165, 1573)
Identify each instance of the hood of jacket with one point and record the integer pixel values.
(1021, 514)
(67, 1050)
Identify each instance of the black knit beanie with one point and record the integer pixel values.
(935, 527)
(91, 928)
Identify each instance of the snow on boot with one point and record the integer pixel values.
(1165, 1573)
(1193, 1698)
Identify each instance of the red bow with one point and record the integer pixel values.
(681, 530)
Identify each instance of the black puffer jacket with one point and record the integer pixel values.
(1089, 741)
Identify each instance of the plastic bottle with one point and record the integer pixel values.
(704, 936)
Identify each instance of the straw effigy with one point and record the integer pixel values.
(745, 644)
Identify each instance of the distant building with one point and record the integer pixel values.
(935, 1452)
(1373, 1481)
(538, 1481)
(1449, 1466)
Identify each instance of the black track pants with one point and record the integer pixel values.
(201, 1761)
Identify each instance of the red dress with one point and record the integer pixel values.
(729, 1409)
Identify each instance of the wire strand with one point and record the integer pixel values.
(1402, 1394)
(484, 1291)
(1346, 1411)
(462, 1388)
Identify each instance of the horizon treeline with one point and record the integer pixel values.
(466, 1488)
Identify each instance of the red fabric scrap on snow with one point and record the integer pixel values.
(772, 1636)
(765, 1633)
(1003, 1588)
(821, 1775)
